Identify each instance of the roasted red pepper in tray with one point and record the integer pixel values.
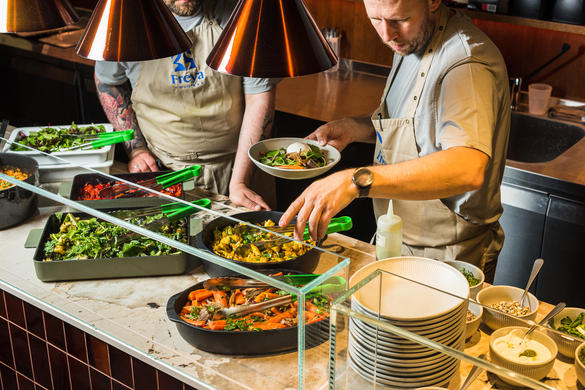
(92, 192)
(203, 306)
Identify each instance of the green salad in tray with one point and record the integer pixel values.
(91, 238)
(574, 327)
(51, 139)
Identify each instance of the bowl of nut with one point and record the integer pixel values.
(506, 308)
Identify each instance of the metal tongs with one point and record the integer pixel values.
(100, 140)
(171, 212)
(332, 285)
(339, 224)
(157, 183)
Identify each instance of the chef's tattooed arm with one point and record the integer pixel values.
(117, 105)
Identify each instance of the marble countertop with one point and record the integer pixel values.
(130, 314)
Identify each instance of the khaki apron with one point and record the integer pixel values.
(430, 228)
(190, 114)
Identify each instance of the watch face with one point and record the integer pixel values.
(363, 177)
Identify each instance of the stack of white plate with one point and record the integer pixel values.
(381, 356)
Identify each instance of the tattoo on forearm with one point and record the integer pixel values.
(117, 105)
(267, 125)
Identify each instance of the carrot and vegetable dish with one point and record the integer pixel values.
(92, 192)
(296, 156)
(15, 173)
(203, 309)
(236, 242)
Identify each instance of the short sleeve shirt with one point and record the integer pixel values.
(116, 73)
(465, 102)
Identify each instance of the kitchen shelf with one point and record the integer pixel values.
(520, 21)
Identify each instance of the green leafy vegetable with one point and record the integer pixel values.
(95, 239)
(50, 139)
(471, 279)
(582, 355)
(315, 157)
(573, 327)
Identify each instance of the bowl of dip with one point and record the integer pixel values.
(534, 358)
(580, 363)
(506, 309)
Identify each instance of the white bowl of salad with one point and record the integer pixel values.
(293, 158)
(472, 273)
(570, 321)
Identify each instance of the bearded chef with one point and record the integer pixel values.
(185, 113)
(441, 134)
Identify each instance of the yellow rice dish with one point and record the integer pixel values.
(237, 243)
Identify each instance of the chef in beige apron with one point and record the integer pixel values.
(430, 228)
(198, 123)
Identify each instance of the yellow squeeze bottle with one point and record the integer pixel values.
(389, 235)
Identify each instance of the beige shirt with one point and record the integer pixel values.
(465, 102)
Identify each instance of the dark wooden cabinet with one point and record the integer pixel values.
(563, 244)
(523, 221)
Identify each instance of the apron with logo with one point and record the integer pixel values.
(430, 228)
(190, 114)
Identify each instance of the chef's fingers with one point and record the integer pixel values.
(302, 219)
(321, 135)
(315, 221)
(323, 224)
(292, 210)
(253, 201)
(151, 163)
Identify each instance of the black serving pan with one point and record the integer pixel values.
(64, 270)
(16, 203)
(243, 343)
(204, 240)
(93, 178)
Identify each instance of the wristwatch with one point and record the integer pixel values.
(363, 179)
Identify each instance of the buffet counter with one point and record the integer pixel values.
(129, 315)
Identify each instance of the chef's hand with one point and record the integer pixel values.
(141, 160)
(320, 202)
(336, 133)
(241, 195)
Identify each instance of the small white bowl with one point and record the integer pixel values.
(567, 345)
(477, 273)
(333, 157)
(473, 326)
(579, 366)
(495, 294)
(532, 370)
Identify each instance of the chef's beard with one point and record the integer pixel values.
(420, 41)
(184, 9)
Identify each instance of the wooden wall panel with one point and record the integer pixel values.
(524, 48)
(527, 48)
(359, 39)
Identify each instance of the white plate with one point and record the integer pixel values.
(76, 157)
(407, 363)
(390, 381)
(390, 366)
(404, 375)
(422, 327)
(267, 145)
(369, 335)
(405, 300)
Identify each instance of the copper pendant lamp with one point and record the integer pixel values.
(271, 38)
(132, 30)
(19, 16)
